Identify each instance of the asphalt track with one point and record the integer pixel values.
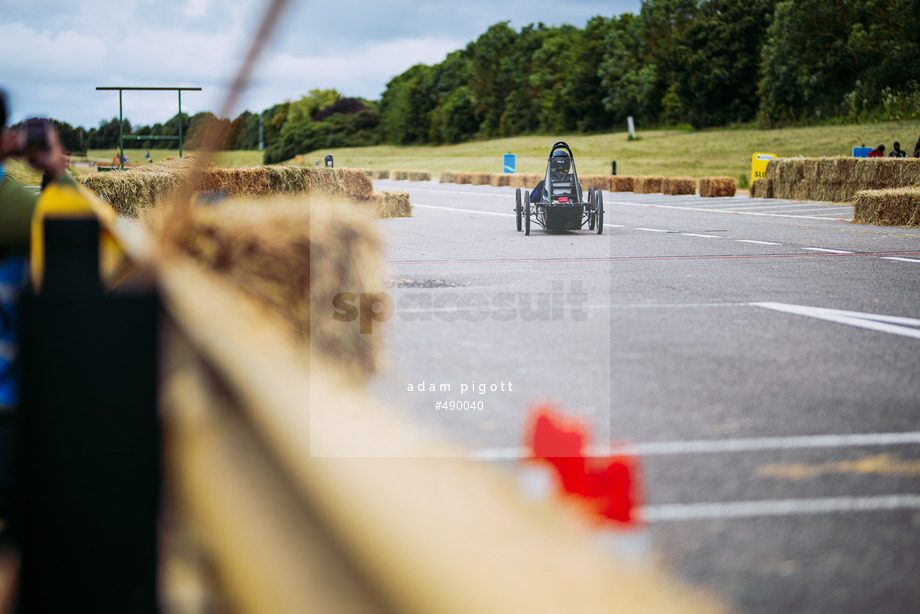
(760, 357)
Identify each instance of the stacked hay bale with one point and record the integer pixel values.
(598, 182)
(479, 178)
(837, 179)
(294, 256)
(525, 180)
(447, 177)
(419, 176)
(135, 192)
(399, 175)
(677, 186)
(891, 207)
(717, 186)
(374, 173)
(762, 188)
(500, 179)
(464, 178)
(622, 183)
(648, 184)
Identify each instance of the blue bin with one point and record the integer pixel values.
(508, 163)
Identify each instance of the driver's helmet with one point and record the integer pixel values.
(559, 163)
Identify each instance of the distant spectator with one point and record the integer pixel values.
(917, 149)
(878, 152)
(897, 152)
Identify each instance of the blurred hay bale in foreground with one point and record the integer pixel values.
(648, 184)
(717, 186)
(891, 207)
(676, 186)
(294, 256)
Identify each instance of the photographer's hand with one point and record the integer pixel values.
(52, 160)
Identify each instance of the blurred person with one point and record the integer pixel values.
(917, 149)
(878, 152)
(38, 143)
(897, 152)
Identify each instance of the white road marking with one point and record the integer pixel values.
(886, 324)
(652, 229)
(900, 259)
(723, 446)
(690, 234)
(733, 212)
(830, 251)
(757, 242)
(777, 507)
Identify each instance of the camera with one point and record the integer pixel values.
(33, 137)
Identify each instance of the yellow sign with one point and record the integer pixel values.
(759, 165)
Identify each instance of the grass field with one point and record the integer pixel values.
(722, 151)
(672, 153)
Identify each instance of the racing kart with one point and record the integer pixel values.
(557, 202)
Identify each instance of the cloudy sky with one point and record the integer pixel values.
(56, 52)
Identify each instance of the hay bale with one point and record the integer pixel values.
(761, 188)
(392, 204)
(419, 176)
(399, 175)
(324, 182)
(717, 186)
(598, 182)
(464, 178)
(500, 179)
(479, 178)
(447, 177)
(293, 257)
(622, 183)
(648, 184)
(889, 207)
(130, 193)
(676, 186)
(356, 183)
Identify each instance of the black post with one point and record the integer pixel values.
(613, 170)
(328, 159)
(90, 453)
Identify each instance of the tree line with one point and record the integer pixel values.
(698, 63)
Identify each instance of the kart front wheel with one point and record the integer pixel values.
(527, 213)
(599, 213)
(517, 208)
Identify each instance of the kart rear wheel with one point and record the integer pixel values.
(527, 213)
(600, 212)
(592, 216)
(517, 208)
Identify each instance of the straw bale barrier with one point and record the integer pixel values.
(890, 207)
(648, 184)
(448, 177)
(132, 193)
(839, 179)
(500, 179)
(717, 186)
(376, 173)
(622, 183)
(399, 175)
(525, 180)
(419, 176)
(463, 178)
(762, 188)
(389, 204)
(598, 182)
(479, 178)
(293, 256)
(356, 183)
(678, 185)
